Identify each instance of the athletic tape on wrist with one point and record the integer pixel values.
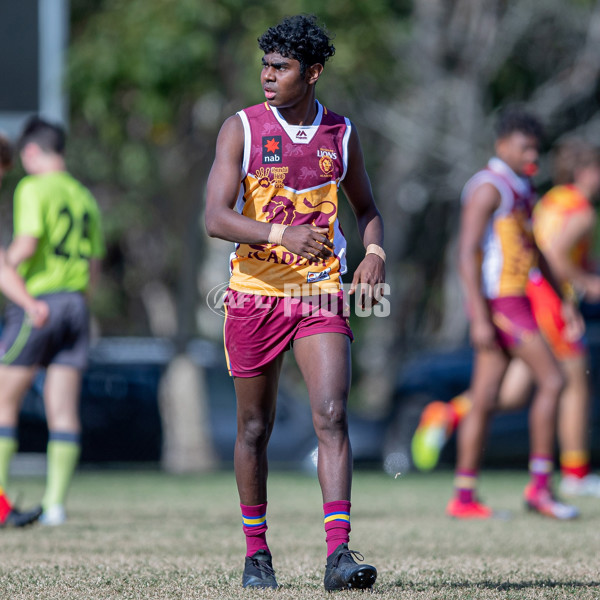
(375, 249)
(276, 233)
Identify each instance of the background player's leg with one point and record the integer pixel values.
(488, 370)
(439, 419)
(14, 383)
(573, 430)
(549, 382)
(516, 387)
(61, 397)
(573, 412)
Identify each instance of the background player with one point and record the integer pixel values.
(292, 154)
(497, 252)
(56, 246)
(13, 287)
(564, 221)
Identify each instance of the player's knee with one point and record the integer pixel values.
(484, 405)
(332, 418)
(553, 383)
(255, 432)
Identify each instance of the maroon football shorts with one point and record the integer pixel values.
(260, 328)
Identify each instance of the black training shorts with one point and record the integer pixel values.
(64, 340)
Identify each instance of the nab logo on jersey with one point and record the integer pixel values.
(271, 149)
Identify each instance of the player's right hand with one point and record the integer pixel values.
(483, 335)
(308, 241)
(39, 313)
(574, 323)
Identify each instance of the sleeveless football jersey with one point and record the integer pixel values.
(291, 175)
(551, 213)
(508, 251)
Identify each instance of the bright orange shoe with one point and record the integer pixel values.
(542, 501)
(468, 510)
(431, 435)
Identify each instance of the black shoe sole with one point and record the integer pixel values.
(363, 579)
(255, 582)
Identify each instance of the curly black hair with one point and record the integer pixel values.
(516, 119)
(299, 37)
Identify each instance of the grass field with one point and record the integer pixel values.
(149, 535)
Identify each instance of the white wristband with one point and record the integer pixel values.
(276, 233)
(375, 249)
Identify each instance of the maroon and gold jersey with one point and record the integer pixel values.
(291, 175)
(508, 251)
(551, 214)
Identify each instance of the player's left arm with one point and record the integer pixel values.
(370, 273)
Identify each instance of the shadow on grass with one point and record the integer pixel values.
(500, 586)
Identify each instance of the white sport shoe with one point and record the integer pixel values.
(581, 486)
(54, 515)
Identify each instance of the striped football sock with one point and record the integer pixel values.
(8, 446)
(465, 482)
(540, 469)
(575, 463)
(337, 523)
(254, 524)
(63, 453)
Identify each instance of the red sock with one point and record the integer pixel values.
(254, 524)
(465, 481)
(337, 524)
(575, 463)
(540, 469)
(5, 506)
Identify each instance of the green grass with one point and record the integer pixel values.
(150, 535)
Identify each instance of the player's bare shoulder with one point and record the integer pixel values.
(230, 143)
(232, 130)
(485, 196)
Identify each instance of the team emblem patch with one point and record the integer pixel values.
(326, 158)
(326, 165)
(271, 149)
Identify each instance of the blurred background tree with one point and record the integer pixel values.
(151, 81)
